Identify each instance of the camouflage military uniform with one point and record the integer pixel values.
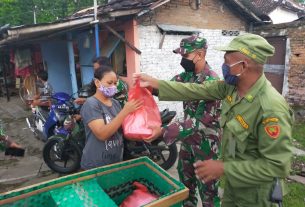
(3, 143)
(122, 94)
(199, 133)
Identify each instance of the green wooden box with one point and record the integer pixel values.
(106, 186)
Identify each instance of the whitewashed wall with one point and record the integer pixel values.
(280, 15)
(164, 64)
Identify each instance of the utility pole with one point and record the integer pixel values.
(96, 21)
(34, 14)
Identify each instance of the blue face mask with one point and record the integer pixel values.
(230, 79)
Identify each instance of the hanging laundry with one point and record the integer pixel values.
(23, 58)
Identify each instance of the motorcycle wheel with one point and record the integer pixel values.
(163, 155)
(58, 153)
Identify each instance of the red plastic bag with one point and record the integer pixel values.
(139, 197)
(136, 125)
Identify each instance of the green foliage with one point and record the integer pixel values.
(298, 133)
(301, 1)
(19, 12)
(296, 196)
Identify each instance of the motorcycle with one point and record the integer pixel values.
(62, 152)
(47, 121)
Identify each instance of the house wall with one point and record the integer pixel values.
(280, 15)
(295, 32)
(213, 14)
(86, 46)
(55, 55)
(132, 58)
(211, 19)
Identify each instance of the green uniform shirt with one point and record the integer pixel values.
(256, 143)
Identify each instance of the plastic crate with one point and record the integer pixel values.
(106, 186)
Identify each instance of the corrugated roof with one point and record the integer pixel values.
(83, 18)
(267, 6)
(248, 11)
(120, 5)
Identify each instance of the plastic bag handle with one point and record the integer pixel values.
(137, 89)
(137, 84)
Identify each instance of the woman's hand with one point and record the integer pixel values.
(132, 106)
(80, 101)
(145, 80)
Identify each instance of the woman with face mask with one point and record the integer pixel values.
(102, 116)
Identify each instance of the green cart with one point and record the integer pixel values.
(106, 186)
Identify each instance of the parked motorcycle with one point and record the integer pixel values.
(46, 121)
(62, 153)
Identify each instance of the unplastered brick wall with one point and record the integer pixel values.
(295, 32)
(164, 64)
(212, 14)
(296, 74)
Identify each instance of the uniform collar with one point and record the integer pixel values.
(205, 72)
(255, 88)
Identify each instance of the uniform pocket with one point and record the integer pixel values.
(239, 133)
(246, 197)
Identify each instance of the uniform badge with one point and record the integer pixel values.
(273, 131)
(270, 119)
(229, 99)
(242, 122)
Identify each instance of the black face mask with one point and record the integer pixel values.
(188, 65)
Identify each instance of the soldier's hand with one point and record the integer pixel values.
(209, 170)
(145, 80)
(156, 133)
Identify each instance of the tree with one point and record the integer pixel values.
(19, 12)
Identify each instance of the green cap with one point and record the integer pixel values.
(190, 44)
(253, 46)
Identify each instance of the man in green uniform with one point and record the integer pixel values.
(199, 131)
(256, 123)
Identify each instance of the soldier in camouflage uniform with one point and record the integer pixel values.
(122, 89)
(199, 131)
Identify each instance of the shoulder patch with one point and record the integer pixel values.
(273, 131)
(242, 122)
(270, 119)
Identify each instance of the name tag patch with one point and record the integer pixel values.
(242, 122)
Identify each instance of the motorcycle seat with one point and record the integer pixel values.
(164, 113)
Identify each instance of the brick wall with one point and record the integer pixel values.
(213, 14)
(295, 32)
